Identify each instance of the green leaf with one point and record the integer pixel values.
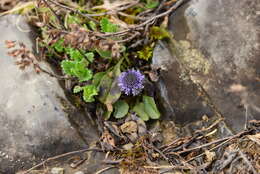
(151, 4)
(58, 46)
(68, 66)
(93, 25)
(89, 91)
(150, 107)
(83, 73)
(105, 85)
(54, 21)
(109, 89)
(140, 111)
(77, 89)
(90, 56)
(146, 53)
(43, 9)
(84, 62)
(121, 109)
(74, 54)
(69, 19)
(77, 69)
(104, 54)
(107, 115)
(158, 33)
(107, 26)
(97, 78)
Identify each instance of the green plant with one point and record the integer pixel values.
(158, 33)
(147, 109)
(89, 91)
(146, 53)
(107, 26)
(151, 3)
(94, 50)
(77, 69)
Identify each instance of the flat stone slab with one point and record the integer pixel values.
(216, 48)
(33, 123)
(179, 96)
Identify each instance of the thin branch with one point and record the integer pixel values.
(221, 144)
(133, 17)
(248, 162)
(160, 152)
(129, 38)
(73, 10)
(227, 139)
(214, 142)
(112, 11)
(167, 167)
(57, 17)
(175, 6)
(105, 169)
(89, 16)
(60, 156)
(211, 126)
(52, 74)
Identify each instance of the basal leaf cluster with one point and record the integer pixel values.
(94, 46)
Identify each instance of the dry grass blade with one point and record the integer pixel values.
(175, 6)
(58, 157)
(23, 6)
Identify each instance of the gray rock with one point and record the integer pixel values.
(179, 96)
(33, 123)
(217, 45)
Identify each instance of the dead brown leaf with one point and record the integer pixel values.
(9, 44)
(255, 138)
(107, 140)
(129, 127)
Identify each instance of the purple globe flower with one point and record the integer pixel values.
(131, 82)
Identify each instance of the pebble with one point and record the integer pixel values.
(79, 172)
(57, 170)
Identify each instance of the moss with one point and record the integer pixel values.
(191, 58)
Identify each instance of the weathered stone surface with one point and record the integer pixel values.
(33, 123)
(217, 44)
(96, 163)
(181, 98)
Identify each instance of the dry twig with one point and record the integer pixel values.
(105, 169)
(175, 6)
(60, 156)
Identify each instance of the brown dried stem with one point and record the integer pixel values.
(60, 156)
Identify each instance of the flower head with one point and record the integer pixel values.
(131, 82)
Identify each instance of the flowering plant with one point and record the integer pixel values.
(131, 82)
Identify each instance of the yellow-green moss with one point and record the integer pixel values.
(190, 57)
(193, 58)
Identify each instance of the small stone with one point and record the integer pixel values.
(128, 146)
(210, 156)
(57, 170)
(79, 172)
(52, 133)
(205, 118)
